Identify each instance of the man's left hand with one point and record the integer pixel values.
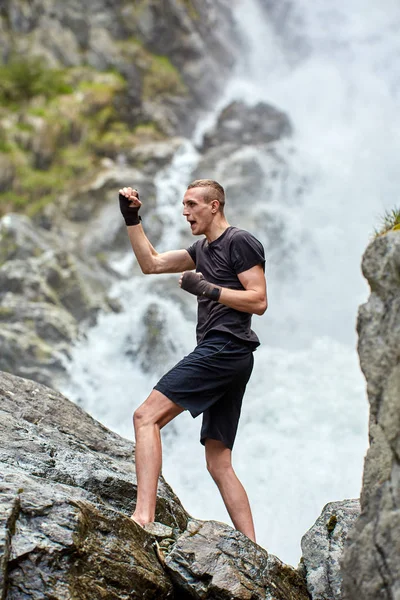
(194, 283)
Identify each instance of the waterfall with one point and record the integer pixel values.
(303, 434)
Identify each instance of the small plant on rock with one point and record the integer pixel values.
(23, 78)
(390, 222)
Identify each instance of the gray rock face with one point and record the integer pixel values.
(45, 292)
(240, 125)
(249, 151)
(211, 560)
(198, 37)
(60, 542)
(45, 435)
(322, 548)
(67, 489)
(371, 566)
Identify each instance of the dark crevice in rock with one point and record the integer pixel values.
(384, 572)
(6, 551)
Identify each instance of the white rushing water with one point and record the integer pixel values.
(303, 434)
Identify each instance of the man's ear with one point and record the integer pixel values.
(215, 206)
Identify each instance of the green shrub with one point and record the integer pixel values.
(24, 78)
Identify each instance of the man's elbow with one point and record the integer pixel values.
(148, 269)
(262, 306)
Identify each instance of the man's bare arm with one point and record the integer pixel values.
(150, 261)
(253, 299)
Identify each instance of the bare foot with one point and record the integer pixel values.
(141, 522)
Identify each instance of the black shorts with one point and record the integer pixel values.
(212, 380)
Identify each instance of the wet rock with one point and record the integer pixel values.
(154, 348)
(59, 541)
(322, 548)
(18, 239)
(249, 151)
(45, 294)
(240, 124)
(211, 560)
(370, 565)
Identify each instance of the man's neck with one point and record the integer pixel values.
(217, 228)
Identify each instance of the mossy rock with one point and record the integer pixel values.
(162, 79)
(24, 77)
(100, 93)
(119, 138)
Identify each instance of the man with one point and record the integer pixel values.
(230, 285)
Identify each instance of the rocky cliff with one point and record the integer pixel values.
(371, 567)
(84, 82)
(91, 95)
(67, 489)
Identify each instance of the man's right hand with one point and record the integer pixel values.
(129, 205)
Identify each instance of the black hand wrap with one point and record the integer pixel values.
(194, 283)
(130, 213)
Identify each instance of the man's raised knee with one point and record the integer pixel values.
(140, 417)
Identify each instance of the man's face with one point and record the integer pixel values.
(198, 213)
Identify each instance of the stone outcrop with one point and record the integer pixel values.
(195, 37)
(67, 489)
(249, 151)
(46, 293)
(371, 567)
(210, 560)
(322, 548)
(240, 125)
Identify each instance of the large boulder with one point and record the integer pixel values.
(60, 542)
(371, 567)
(249, 151)
(211, 560)
(322, 548)
(67, 490)
(240, 125)
(46, 292)
(46, 436)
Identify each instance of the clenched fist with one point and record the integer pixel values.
(194, 283)
(129, 205)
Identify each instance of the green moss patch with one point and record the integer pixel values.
(23, 78)
(162, 78)
(56, 125)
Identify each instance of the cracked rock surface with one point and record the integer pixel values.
(322, 548)
(211, 560)
(67, 490)
(371, 565)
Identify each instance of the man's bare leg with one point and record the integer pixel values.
(219, 464)
(148, 419)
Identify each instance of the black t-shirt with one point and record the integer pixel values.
(220, 261)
